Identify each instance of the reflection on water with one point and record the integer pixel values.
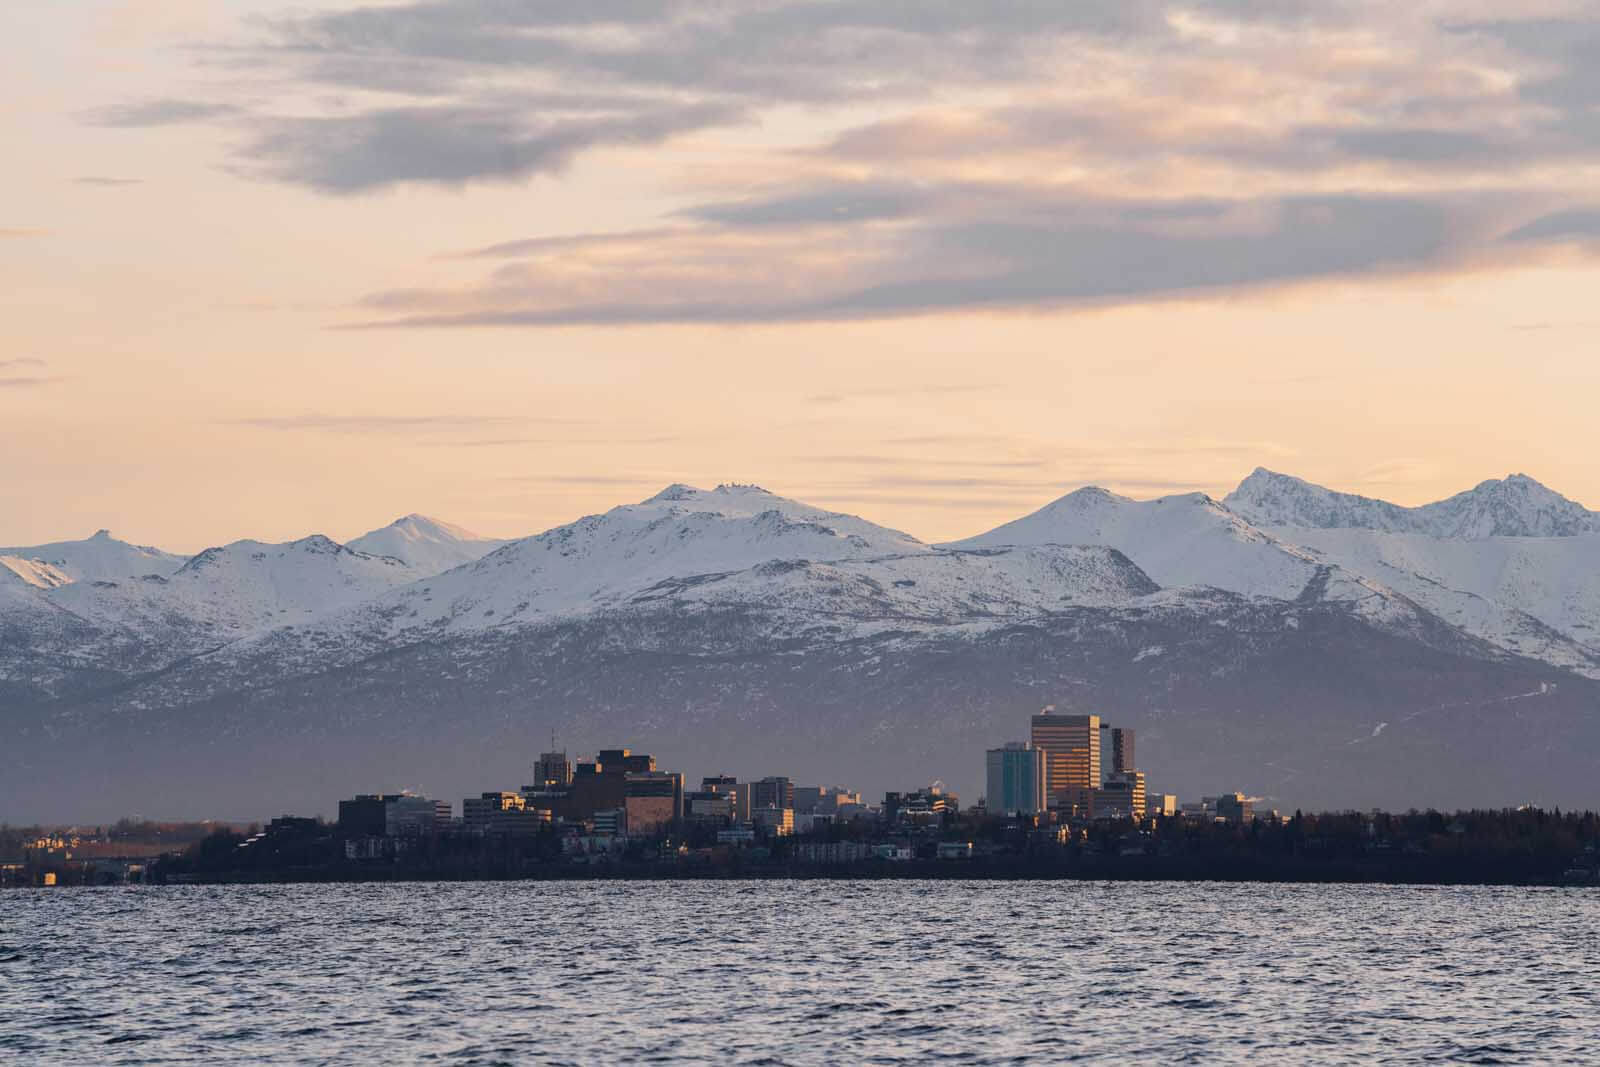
(805, 972)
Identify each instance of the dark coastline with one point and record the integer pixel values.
(1112, 869)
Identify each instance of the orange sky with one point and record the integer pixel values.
(937, 289)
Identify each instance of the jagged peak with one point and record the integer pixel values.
(675, 491)
(1514, 506)
(318, 543)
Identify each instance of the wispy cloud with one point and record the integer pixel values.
(108, 183)
(14, 233)
(657, 481)
(566, 441)
(910, 460)
(448, 145)
(27, 382)
(893, 392)
(389, 424)
(159, 112)
(1008, 247)
(22, 361)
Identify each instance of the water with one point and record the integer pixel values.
(797, 973)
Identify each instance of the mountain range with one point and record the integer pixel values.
(1316, 648)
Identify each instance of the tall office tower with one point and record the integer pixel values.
(552, 769)
(1015, 779)
(1122, 750)
(1071, 745)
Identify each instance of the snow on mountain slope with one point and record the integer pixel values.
(1515, 506)
(600, 561)
(941, 588)
(101, 557)
(35, 572)
(428, 546)
(1536, 596)
(1177, 540)
(227, 592)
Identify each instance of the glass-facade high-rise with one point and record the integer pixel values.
(1015, 779)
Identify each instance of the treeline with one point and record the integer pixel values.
(1515, 846)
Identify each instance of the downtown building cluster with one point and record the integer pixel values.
(599, 805)
(1081, 767)
(1073, 769)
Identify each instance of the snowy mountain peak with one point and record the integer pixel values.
(1514, 506)
(100, 557)
(758, 509)
(427, 545)
(320, 543)
(1187, 539)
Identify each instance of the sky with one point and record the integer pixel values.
(268, 269)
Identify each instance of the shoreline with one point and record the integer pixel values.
(934, 870)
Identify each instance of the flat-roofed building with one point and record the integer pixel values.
(553, 770)
(774, 791)
(1016, 779)
(410, 816)
(1121, 797)
(777, 822)
(1235, 807)
(475, 811)
(1122, 759)
(1071, 746)
(653, 800)
(391, 815)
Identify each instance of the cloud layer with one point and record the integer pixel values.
(954, 156)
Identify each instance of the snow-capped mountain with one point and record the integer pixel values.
(100, 558)
(1187, 540)
(734, 629)
(1514, 506)
(680, 534)
(231, 591)
(427, 546)
(1509, 561)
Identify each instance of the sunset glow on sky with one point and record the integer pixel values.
(269, 269)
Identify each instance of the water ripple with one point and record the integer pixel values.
(799, 973)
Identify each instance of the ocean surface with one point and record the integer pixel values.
(775, 972)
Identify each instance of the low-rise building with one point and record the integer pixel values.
(1121, 796)
(775, 822)
(1235, 807)
(476, 811)
(391, 815)
(920, 805)
(832, 852)
(1161, 804)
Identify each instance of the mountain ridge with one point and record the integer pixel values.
(1514, 506)
(645, 620)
